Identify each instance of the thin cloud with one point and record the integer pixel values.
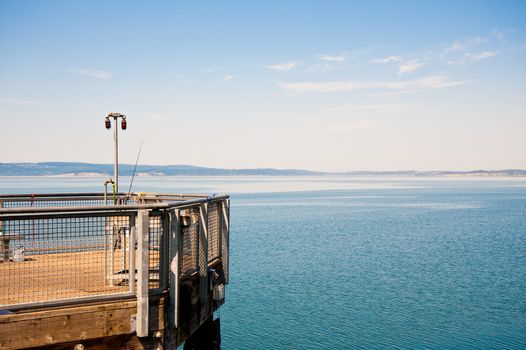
(393, 93)
(97, 74)
(228, 77)
(456, 46)
(283, 67)
(477, 41)
(481, 55)
(469, 58)
(499, 35)
(409, 66)
(332, 58)
(432, 82)
(464, 45)
(324, 67)
(388, 59)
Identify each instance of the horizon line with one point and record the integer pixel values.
(280, 169)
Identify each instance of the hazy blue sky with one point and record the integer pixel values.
(328, 85)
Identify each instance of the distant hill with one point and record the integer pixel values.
(63, 168)
(73, 168)
(503, 172)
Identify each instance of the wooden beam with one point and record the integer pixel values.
(67, 324)
(95, 326)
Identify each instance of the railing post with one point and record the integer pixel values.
(164, 251)
(132, 254)
(142, 272)
(3, 255)
(174, 234)
(203, 247)
(225, 240)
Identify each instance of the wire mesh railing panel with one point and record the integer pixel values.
(202, 262)
(214, 230)
(189, 250)
(155, 230)
(55, 255)
(57, 258)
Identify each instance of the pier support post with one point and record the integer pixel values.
(142, 272)
(206, 337)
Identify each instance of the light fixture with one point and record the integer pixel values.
(107, 123)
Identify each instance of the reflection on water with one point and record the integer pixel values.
(244, 184)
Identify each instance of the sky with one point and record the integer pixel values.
(320, 85)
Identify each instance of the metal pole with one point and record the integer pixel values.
(143, 271)
(116, 165)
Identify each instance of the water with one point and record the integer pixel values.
(386, 263)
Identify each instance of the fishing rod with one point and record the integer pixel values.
(135, 168)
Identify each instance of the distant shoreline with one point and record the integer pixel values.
(74, 169)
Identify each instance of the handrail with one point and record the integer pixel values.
(126, 207)
(93, 194)
(45, 195)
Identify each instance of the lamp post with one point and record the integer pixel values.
(107, 123)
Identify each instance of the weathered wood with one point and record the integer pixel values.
(63, 325)
(142, 272)
(76, 324)
(124, 342)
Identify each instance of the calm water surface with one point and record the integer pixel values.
(361, 263)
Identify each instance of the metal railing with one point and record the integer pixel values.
(58, 248)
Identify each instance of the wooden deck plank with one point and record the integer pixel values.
(53, 329)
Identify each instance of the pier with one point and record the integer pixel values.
(83, 271)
